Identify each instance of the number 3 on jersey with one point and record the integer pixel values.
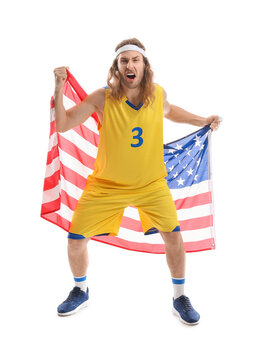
(138, 137)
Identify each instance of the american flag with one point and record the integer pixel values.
(70, 160)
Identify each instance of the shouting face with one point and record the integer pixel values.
(131, 68)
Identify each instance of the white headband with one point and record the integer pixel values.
(130, 47)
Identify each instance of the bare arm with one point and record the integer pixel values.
(177, 114)
(66, 120)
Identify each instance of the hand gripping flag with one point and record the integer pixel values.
(71, 157)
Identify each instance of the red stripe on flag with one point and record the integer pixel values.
(51, 181)
(197, 200)
(57, 220)
(190, 224)
(207, 244)
(129, 245)
(79, 90)
(68, 200)
(196, 223)
(52, 127)
(50, 206)
(52, 102)
(52, 154)
(70, 93)
(77, 153)
(201, 245)
(131, 224)
(76, 86)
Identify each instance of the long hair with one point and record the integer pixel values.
(146, 86)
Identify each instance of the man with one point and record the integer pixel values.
(129, 168)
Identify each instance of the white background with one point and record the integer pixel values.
(204, 53)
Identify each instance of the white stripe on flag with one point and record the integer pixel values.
(91, 124)
(65, 212)
(188, 236)
(200, 234)
(74, 164)
(70, 188)
(195, 212)
(193, 190)
(51, 194)
(81, 143)
(52, 114)
(52, 167)
(132, 213)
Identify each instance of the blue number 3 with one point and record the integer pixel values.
(138, 137)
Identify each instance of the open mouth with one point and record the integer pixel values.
(130, 76)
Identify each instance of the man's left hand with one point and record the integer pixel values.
(214, 121)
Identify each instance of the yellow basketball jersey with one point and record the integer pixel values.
(130, 151)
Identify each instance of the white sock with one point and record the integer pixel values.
(179, 286)
(81, 282)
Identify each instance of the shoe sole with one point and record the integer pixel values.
(83, 305)
(175, 312)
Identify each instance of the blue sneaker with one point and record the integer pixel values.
(182, 307)
(76, 300)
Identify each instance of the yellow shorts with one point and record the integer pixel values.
(99, 210)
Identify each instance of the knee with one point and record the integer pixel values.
(172, 238)
(77, 244)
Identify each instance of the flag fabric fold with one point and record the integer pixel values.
(70, 159)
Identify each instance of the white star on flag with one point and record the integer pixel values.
(190, 172)
(180, 181)
(179, 147)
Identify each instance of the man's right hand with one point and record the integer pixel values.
(60, 77)
(76, 115)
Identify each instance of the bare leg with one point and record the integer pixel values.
(175, 253)
(78, 256)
